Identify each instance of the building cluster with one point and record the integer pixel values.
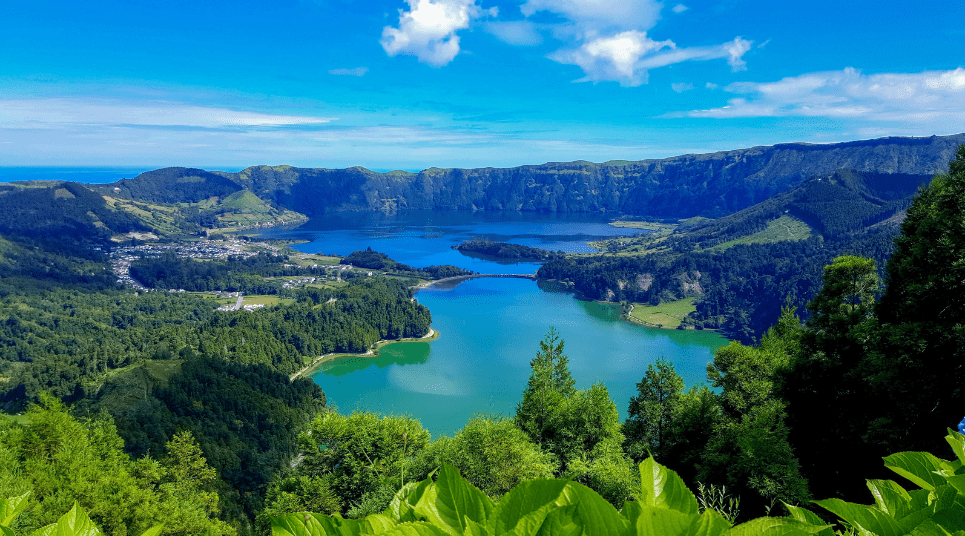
(122, 257)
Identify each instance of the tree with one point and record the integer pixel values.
(368, 456)
(651, 411)
(549, 383)
(749, 450)
(825, 386)
(493, 454)
(580, 428)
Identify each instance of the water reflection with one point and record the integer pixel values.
(403, 353)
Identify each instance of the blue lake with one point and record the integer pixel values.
(490, 328)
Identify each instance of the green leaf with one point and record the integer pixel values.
(377, 524)
(308, 524)
(563, 521)
(919, 467)
(957, 442)
(6, 531)
(153, 531)
(775, 526)
(524, 508)
(73, 523)
(654, 521)
(11, 508)
(593, 512)
(806, 516)
(419, 528)
(710, 523)
(890, 498)
(863, 517)
(662, 488)
(402, 507)
(457, 501)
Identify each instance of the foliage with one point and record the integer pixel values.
(647, 428)
(246, 420)
(493, 454)
(503, 250)
(580, 428)
(749, 450)
(65, 340)
(61, 461)
(366, 457)
(451, 505)
(380, 261)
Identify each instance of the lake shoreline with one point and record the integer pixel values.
(432, 335)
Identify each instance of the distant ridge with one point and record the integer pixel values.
(710, 185)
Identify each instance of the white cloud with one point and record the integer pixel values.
(932, 97)
(608, 39)
(358, 71)
(680, 87)
(711, 85)
(518, 32)
(614, 58)
(57, 112)
(428, 30)
(627, 56)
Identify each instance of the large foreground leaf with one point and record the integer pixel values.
(660, 487)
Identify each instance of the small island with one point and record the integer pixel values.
(502, 250)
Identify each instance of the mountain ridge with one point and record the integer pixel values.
(707, 184)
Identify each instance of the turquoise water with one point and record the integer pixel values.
(489, 328)
(489, 331)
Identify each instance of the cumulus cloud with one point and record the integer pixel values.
(358, 71)
(680, 8)
(934, 97)
(608, 39)
(680, 87)
(428, 30)
(614, 58)
(627, 56)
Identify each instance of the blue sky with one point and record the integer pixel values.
(410, 84)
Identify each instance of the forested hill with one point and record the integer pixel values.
(710, 185)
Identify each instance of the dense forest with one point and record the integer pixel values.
(505, 251)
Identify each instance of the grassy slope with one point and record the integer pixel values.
(785, 228)
(666, 315)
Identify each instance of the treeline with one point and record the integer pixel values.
(374, 260)
(811, 409)
(739, 290)
(62, 340)
(503, 250)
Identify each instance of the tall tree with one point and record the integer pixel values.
(825, 385)
(549, 383)
(651, 411)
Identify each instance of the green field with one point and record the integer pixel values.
(783, 229)
(666, 315)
